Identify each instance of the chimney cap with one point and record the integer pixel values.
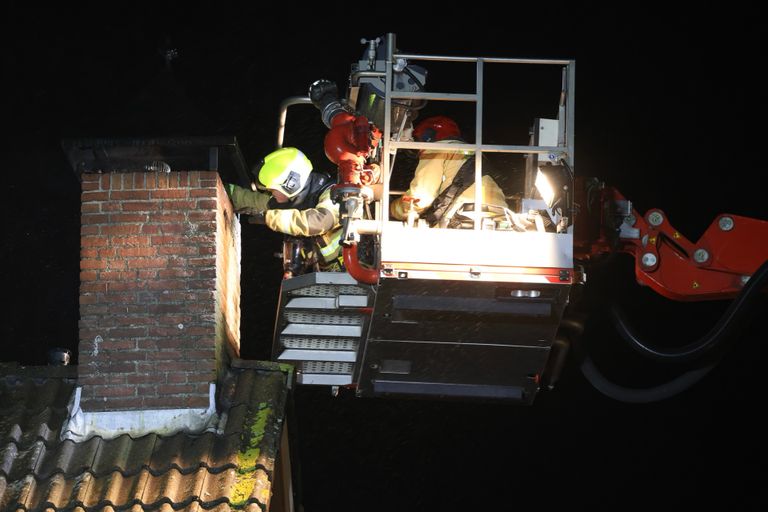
(132, 154)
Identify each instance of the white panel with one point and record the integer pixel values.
(324, 330)
(312, 303)
(484, 276)
(318, 355)
(353, 301)
(400, 243)
(323, 379)
(548, 137)
(334, 278)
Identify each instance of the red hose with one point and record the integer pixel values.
(359, 272)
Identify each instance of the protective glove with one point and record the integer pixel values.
(230, 188)
(256, 217)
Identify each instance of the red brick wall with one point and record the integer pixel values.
(159, 289)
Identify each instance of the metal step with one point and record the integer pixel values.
(325, 373)
(322, 318)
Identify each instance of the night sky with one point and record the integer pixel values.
(668, 110)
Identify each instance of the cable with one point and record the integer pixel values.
(693, 351)
(641, 395)
(720, 333)
(657, 393)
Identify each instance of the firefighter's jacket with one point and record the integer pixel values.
(434, 173)
(311, 214)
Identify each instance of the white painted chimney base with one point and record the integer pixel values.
(82, 425)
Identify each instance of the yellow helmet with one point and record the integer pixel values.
(286, 170)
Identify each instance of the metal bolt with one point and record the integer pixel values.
(655, 219)
(700, 255)
(180, 326)
(725, 223)
(648, 259)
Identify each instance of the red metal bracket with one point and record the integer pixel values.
(717, 266)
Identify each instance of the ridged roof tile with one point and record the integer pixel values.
(209, 471)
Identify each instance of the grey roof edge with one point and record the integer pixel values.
(12, 368)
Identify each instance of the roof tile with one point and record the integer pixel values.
(123, 454)
(68, 457)
(230, 470)
(183, 452)
(224, 452)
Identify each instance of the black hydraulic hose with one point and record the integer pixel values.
(720, 333)
(641, 395)
(624, 394)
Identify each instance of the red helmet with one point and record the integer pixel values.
(436, 128)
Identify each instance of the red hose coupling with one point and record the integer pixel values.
(360, 273)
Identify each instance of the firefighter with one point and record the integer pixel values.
(443, 180)
(296, 201)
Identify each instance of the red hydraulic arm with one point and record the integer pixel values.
(717, 266)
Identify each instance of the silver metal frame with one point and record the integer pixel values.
(402, 246)
(565, 144)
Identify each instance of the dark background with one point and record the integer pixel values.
(668, 109)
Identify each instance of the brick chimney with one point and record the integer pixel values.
(159, 300)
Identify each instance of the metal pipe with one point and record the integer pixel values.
(386, 138)
(478, 144)
(288, 102)
(571, 115)
(494, 60)
(558, 356)
(486, 148)
(367, 226)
